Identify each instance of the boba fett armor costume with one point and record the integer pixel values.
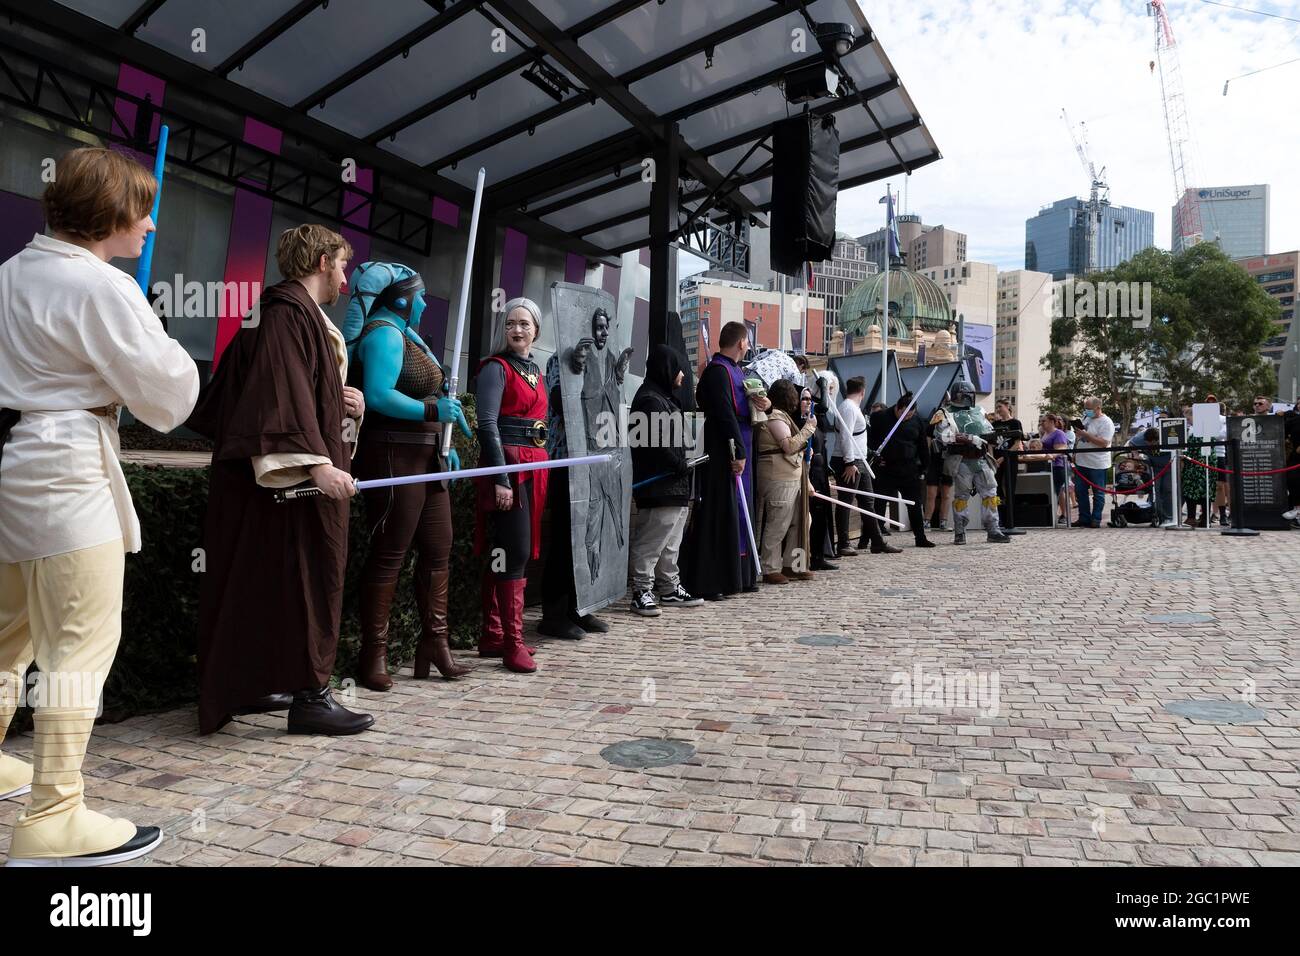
(963, 431)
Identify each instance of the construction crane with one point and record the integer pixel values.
(1098, 194)
(1188, 228)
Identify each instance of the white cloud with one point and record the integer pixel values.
(990, 80)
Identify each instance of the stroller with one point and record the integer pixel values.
(1133, 470)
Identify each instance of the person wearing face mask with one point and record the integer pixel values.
(77, 342)
(405, 389)
(512, 410)
(661, 502)
(279, 415)
(1097, 431)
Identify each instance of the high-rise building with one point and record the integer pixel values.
(1234, 217)
(709, 302)
(971, 288)
(910, 229)
(972, 291)
(1276, 275)
(832, 281)
(936, 247)
(1056, 240)
(1024, 322)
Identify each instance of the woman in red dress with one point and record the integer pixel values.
(511, 405)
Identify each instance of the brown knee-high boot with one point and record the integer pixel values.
(431, 597)
(372, 665)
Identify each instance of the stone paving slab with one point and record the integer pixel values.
(803, 754)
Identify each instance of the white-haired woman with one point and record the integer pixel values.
(511, 405)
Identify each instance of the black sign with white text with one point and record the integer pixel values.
(1262, 441)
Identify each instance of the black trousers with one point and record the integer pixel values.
(870, 527)
(559, 595)
(510, 535)
(911, 487)
(1006, 487)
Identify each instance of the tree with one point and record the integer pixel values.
(1208, 320)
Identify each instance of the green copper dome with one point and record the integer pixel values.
(913, 300)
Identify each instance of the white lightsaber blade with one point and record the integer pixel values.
(289, 494)
(872, 494)
(861, 511)
(454, 387)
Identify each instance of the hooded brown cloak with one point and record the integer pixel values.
(272, 592)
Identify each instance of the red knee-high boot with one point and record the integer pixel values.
(491, 642)
(510, 599)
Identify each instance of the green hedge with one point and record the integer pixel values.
(156, 663)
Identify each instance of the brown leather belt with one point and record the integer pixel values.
(407, 438)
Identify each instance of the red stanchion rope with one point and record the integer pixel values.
(1244, 474)
(1123, 491)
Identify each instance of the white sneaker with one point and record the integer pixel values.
(1292, 514)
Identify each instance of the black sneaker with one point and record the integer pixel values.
(997, 537)
(959, 537)
(644, 604)
(679, 597)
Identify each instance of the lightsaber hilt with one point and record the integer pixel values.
(454, 385)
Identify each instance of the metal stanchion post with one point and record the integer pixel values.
(1235, 497)
(1176, 493)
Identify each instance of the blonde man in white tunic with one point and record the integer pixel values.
(78, 341)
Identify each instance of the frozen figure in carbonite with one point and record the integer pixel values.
(602, 391)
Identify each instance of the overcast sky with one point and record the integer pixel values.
(990, 79)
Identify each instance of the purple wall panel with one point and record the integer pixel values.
(609, 279)
(640, 336)
(20, 219)
(446, 212)
(514, 255)
(433, 324)
(356, 211)
(575, 268)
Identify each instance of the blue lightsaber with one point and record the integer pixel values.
(145, 265)
(669, 474)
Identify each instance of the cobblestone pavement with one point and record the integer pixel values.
(803, 753)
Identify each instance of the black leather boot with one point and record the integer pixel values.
(317, 712)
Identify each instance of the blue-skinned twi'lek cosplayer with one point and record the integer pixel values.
(407, 407)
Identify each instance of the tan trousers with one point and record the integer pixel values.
(64, 612)
(776, 508)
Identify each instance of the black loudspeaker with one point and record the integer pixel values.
(669, 333)
(1033, 510)
(805, 181)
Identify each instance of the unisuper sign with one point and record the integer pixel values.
(1227, 193)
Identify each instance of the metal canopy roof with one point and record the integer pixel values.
(437, 86)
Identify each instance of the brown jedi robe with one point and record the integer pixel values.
(272, 592)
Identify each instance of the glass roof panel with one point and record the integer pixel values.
(440, 63)
(327, 42)
(227, 25)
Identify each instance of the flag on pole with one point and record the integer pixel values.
(892, 243)
(848, 343)
(920, 354)
(796, 341)
(704, 335)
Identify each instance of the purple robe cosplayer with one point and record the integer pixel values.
(715, 551)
